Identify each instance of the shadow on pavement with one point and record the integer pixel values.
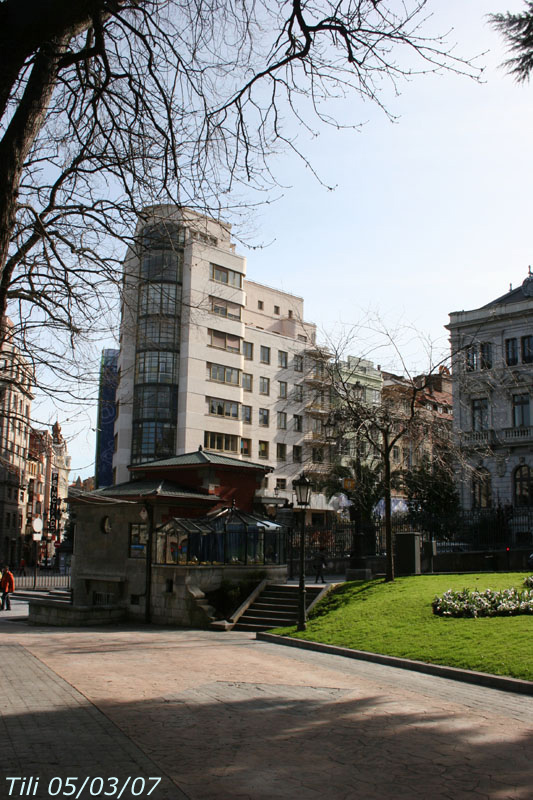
(227, 739)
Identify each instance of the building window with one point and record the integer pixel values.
(396, 454)
(264, 417)
(222, 408)
(224, 341)
(152, 440)
(481, 489)
(480, 414)
(247, 382)
(485, 350)
(163, 236)
(299, 393)
(222, 374)
(471, 358)
(527, 349)
(248, 350)
(260, 305)
(290, 313)
(283, 359)
(156, 367)
(282, 420)
(281, 484)
(138, 540)
(263, 450)
(297, 454)
(298, 423)
(282, 389)
(298, 363)
(281, 451)
(159, 298)
(160, 332)
(264, 386)
(225, 309)
(521, 417)
(511, 352)
(246, 414)
(523, 486)
(318, 455)
(264, 355)
(246, 447)
(276, 309)
(162, 266)
(227, 276)
(224, 442)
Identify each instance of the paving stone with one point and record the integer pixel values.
(225, 717)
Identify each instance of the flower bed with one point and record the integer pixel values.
(490, 603)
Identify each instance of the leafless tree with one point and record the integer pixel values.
(109, 105)
(402, 414)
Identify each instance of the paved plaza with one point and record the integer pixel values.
(220, 716)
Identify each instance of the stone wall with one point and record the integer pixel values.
(178, 593)
(61, 614)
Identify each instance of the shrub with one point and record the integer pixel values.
(528, 583)
(490, 603)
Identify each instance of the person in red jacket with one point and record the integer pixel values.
(7, 585)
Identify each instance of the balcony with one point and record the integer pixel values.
(314, 407)
(478, 438)
(502, 436)
(517, 435)
(317, 377)
(315, 436)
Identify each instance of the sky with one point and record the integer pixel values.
(430, 213)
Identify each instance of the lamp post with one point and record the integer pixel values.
(37, 528)
(302, 487)
(147, 515)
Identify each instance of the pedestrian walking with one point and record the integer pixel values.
(22, 567)
(7, 585)
(319, 563)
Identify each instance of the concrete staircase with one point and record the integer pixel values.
(275, 607)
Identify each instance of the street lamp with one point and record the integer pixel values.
(302, 487)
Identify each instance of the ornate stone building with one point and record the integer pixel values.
(492, 354)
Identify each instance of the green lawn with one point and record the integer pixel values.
(396, 619)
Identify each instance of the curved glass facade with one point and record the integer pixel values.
(155, 395)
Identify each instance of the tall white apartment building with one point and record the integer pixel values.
(209, 359)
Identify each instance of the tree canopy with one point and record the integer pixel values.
(517, 30)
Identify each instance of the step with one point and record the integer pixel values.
(267, 622)
(278, 619)
(276, 607)
(270, 604)
(242, 626)
(271, 613)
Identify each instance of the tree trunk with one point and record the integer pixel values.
(389, 573)
(16, 144)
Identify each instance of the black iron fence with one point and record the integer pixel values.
(478, 529)
(465, 531)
